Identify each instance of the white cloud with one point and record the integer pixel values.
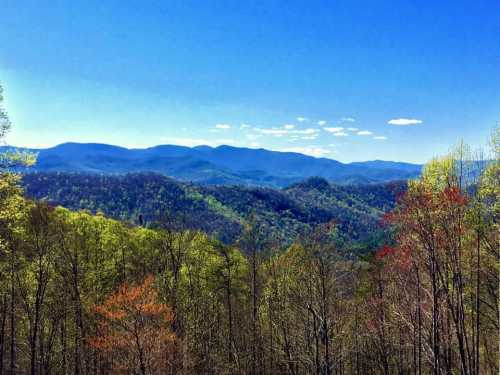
(340, 134)
(404, 121)
(306, 131)
(129, 146)
(365, 132)
(244, 126)
(310, 137)
(223, 126)
(289, 127)
(308, 150)
(321, 122)
(301, 119)
(277, 132)
(380, 137)
(333, 130)
(353, 129)
(254, 144)
(348, 119)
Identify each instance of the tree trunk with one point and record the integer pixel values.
(12, 317)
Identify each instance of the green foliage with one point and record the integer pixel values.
(11, 158)
(223, 211)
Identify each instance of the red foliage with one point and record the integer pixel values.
(454, 195)
(403, 260)
(134, 329)
(384, 252)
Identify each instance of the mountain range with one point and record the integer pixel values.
(223, 165)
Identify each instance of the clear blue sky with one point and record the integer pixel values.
(321, 77)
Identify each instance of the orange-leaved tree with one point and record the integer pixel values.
(135, 331)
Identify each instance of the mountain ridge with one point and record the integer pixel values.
(222, 165)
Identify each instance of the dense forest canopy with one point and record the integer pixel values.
(222, 211)
(83, 293)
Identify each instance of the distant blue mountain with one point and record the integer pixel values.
(219, 165)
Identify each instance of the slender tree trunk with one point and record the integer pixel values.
(12, 317)
(230, 342)
(477, 302)
(33, 344)
(2, 332)
(63, 345)
(435, 327)
(254, 311)
(419, 323)
(324, 326)
(140, 351)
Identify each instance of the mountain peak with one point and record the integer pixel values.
(317, 183)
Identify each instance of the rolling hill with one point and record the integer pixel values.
(146, 198)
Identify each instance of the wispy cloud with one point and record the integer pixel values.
(310, 137)
(223, 126)
(289, 127)
(315, 151)
(404, 121)
(321, 122)
(279, 132)
(340, 134)
(334, 130)
(275, 132)
(348, 119)
(353, 129)
(302, 119)
(306, 131)
(380, 137)
(365, 132)
(244, 126)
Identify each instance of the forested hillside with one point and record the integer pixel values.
(148, 199)
(84, 294)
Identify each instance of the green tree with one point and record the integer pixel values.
(11, 158)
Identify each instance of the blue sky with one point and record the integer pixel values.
(350, 80)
